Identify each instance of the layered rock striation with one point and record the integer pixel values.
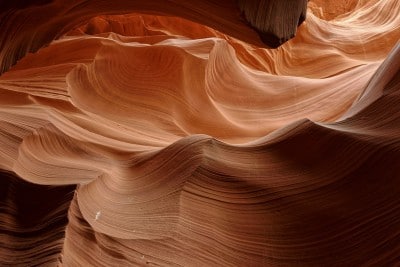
(132, 136)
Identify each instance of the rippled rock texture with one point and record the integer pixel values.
(166, 133)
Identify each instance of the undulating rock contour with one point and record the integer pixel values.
(172, 133)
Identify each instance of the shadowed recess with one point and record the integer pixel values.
(32, 221)
(275, 21)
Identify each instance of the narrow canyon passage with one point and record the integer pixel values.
(200, 133)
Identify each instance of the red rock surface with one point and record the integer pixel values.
(188, 142)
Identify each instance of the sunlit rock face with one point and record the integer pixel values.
(146, 133)
(330, 9)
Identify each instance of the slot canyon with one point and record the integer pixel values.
(200, 133)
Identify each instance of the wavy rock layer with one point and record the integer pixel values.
(193, 148)
(41, 21)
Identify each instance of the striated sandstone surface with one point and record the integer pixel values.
(154, 134)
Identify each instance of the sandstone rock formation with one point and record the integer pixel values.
(146, 133)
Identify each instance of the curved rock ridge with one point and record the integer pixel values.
(174, 143)
(41, 21)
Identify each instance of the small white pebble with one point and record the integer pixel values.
(97, 215)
